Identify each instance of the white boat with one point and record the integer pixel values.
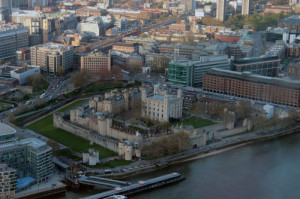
(117, 197)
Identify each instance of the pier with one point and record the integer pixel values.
(141, 186)
(103, 182)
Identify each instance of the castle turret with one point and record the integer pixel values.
(144, 95)
(102, 124)
(156, 89)
(166, 108)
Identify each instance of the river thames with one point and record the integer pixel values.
(261, 170)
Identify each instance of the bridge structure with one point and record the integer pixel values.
(102, 182)
(111, 41)
(140, 186)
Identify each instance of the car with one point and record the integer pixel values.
(43, 95)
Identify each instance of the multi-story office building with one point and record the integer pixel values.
(50, 57)
(252, 86)
(12, 37)
(30, 157)
(8, 182)
(221, 10)
(39, 156)
(264, 65)
(191, 73)
(245, 7)
(96, 62)
(122, 24)
(24, 16)
(160, 106)
(21, 74)
(182, 50)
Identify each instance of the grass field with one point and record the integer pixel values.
(45, 127)
(4, 106)
(98, 87)
(111, 164)
(197, 122)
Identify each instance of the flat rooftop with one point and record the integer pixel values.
(250, 77)
(22, 70)
(6, 130)
(33, 142)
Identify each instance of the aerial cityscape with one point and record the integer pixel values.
(147, 99)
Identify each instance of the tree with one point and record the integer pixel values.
(132, 3)
(11, 116)
(168, 145)
(22, 108)
(53, 144)
(144, 35)
(162, 16)
(244, 109)
(40, 102)
(209, 21)
(189, 38)
(61, 71)
(37, 81)
(294, 116)
(79, 79)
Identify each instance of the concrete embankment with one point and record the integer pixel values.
(208, 151)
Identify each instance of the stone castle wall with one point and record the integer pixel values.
(59, 122)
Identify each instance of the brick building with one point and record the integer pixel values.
(181, 26)
(96, 62)
(251, 86)
(227, 38)
(126, 47)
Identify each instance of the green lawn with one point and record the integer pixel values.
(197, 122)
(111, 164)
(4, 106)
(98, 87)
(70, 106)
(45, 127)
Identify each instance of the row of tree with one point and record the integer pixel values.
(258, 21)
(215, 109)
(166, 146)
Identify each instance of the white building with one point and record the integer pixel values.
(96, 27)
(22, 73)
(221, 9)
(245, 7)
(161, 106)
(12, 38)
(199, 12)
(91, 157)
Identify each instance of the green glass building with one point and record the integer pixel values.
(190, 73)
